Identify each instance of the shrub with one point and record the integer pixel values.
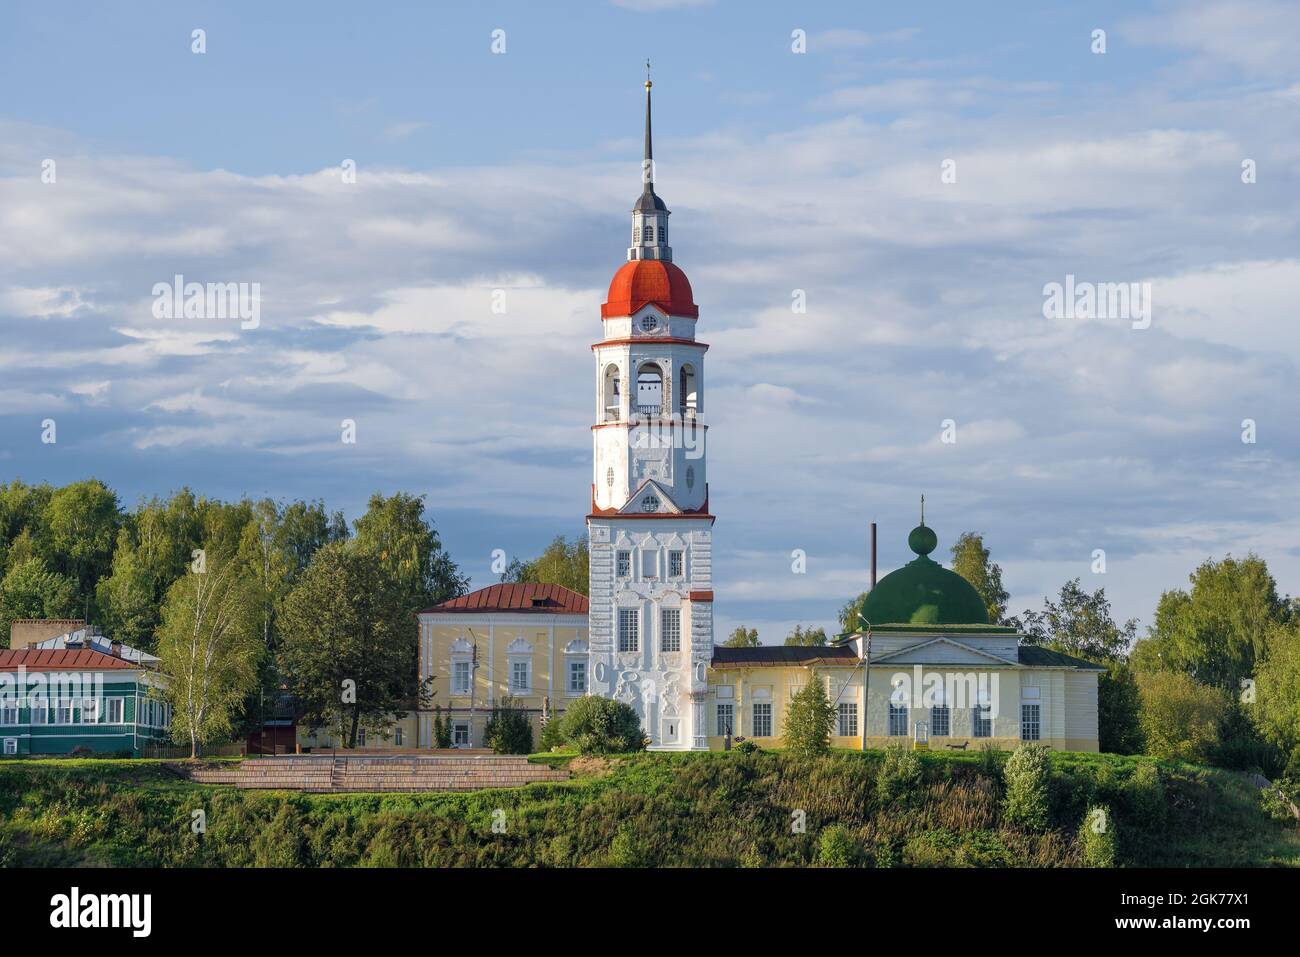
(508, 730)
(899, 774)
(601, 726)
(1027, 774)
(809, 720)
(441, 729)
(1180, 716)
(1144, 795)
(1292, 772)
(836, 847)
(552, 736)
(747, 747)
(990, 766)
(625, 850)
(1097, 837)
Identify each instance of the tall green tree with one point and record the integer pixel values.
(128, 597)
(1119, 710)
(742, 637)
(395, 530)
(1181, 718)
(348, 642)
(850, 615)
(83, 520)
(970, 560)
(562, 563)
(22, 516)
(31, 590)
(1217, 630)
(809, 720)
(811, 638)
(1276, 705)
(1078, 623)
(210, 648)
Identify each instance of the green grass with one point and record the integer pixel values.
(684, 810)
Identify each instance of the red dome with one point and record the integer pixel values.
(643, 281)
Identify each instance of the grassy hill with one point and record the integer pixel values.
(685, 810)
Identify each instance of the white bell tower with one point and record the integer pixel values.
(650, 531)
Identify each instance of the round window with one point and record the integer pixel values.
(649, 323)
(650, 504)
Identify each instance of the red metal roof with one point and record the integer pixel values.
(643, 281)
(529, 597)
(68, 659)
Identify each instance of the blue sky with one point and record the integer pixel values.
(818, 171)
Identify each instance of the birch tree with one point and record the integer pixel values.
(210, 647)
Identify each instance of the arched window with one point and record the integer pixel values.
(650, 503)
(612, 393)
(650, 389)
(649, 234)
(689, 396)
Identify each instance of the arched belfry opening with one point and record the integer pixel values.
(688, 392)
(612, 393)
(649, 389)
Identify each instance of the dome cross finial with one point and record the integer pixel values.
(922, 508)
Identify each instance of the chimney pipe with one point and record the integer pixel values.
(873, 554)
(116, 648)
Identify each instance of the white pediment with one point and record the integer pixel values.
(640, 501)
(942, 651)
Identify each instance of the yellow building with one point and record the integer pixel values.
(522, 641)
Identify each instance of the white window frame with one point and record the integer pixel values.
(112, 705)
(727, 708)
(846, 719)
(462, 667)
(579, 687)
(61, 709)
(11, 745)
(898, 720)
(90, 711)
(670, 629)
(940, 721)
(516, 665)
(38, 706)
(629, 637)
(9, 708)
(1035, 723)
(761, 720)
(676, 563)
(623, 563)
(459, 725)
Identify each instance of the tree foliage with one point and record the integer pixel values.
(563, 563)
(1276, 708)
(31, 590)
(508, 729)
(1180, 716)
(1027, 775)
(597, 725)
(811, 638)
(809, 720)
(209, 647)
(348, 642)
(1078, 623)
(970, 560)
(742, 637)
(1217, 630)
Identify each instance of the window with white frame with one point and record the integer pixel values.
(897, 720)
(63, 711)
(940, 721)
(847, 724)
(9, 712)
(11, 745)
(670, 629)
(676, 563)
(519, 677)
(89, 710)
(762, 719)
(113, 710)
(1030, 720)
(460, 677)
(629, 629)
(577, 677)
(981, 717)
(460, 734)
(40, 711)
(623, 564)
(726, 718)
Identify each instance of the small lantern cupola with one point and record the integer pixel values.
(649, 215)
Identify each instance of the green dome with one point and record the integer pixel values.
(923, 592)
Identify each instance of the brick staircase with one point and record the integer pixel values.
(439, 771)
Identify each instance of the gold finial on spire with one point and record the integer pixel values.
(648, 84)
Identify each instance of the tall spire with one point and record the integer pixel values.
(649, 214)
(648, 161)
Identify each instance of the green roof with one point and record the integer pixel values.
(923, 592)
(1036, 656)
